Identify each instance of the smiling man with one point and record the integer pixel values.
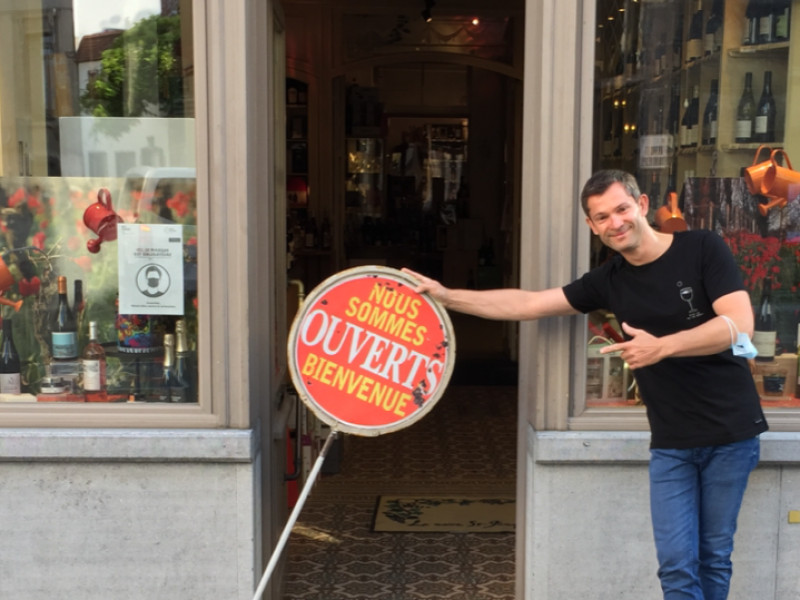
(679, 297)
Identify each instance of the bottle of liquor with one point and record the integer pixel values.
(782, 9)
(10, 380)
(710, 115)
(712, 39)
(63, 329)
(746, 112)
(764, 335)
(184, 364)
(694, 42)
(764, 123)
(94, 367)
(766, 22)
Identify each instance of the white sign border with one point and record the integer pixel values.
(323, 288)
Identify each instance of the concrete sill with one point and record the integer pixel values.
(128, 445)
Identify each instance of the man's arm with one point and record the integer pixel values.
(709, 338)
(501, 304)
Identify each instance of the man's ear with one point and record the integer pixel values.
(644, 203)
(591, 226)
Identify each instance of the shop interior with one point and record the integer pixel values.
(421, 164)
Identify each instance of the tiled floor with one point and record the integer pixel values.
(465, 445)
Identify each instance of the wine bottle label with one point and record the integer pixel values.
(65, 344)
(709, 43)
(91, 376)
(764, 341)
(744, 129)
(765, 27)
(761, 124)
(713, 130)
(10, 383)
(694, 49)
(782, 24)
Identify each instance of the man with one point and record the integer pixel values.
(669, 292)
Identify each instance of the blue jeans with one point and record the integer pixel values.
(695, 496)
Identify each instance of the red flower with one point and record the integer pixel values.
(180, 203)
(16, 198)
(29, 287)
(38, 240)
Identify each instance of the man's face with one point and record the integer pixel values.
(617, 218)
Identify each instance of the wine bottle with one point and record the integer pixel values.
(710, 115)
(168, 383)
(94, 367)
(797, 387)
(173, 389)
(184, 364)
(764, 335)
(677, 41)
(10, 380)
(764, 123)
(746, 112)
(63, 329)
(660, 56)
(751, 15)
(673, 119)
(78, 302)
(685, 120)
(712, 39)
(782, 9)
(694, 118)
(694, 42)
(766, 22)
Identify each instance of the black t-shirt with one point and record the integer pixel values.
(691, 401)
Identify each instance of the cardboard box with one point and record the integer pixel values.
(776, 380)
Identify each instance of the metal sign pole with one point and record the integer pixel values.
(287, 530)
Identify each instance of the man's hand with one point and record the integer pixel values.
(428, 285)
(640, 351)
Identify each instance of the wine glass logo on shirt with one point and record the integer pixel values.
(687, 295)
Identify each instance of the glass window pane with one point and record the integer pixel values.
(691, 96)
(97, 201)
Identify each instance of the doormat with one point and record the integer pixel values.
(445, 514)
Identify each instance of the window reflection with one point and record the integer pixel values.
(97, 132)
(692, 98)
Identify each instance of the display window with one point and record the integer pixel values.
(694, 98)
(98, 204)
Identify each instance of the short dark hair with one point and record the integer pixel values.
(602, 180)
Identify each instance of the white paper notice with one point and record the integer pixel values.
(150, 269)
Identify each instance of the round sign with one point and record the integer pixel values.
(367, 354)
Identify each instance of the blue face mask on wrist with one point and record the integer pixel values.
(744, 347)
(740, 342)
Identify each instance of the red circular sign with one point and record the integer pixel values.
(367, 354)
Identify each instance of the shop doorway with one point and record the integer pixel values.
(411, 156)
